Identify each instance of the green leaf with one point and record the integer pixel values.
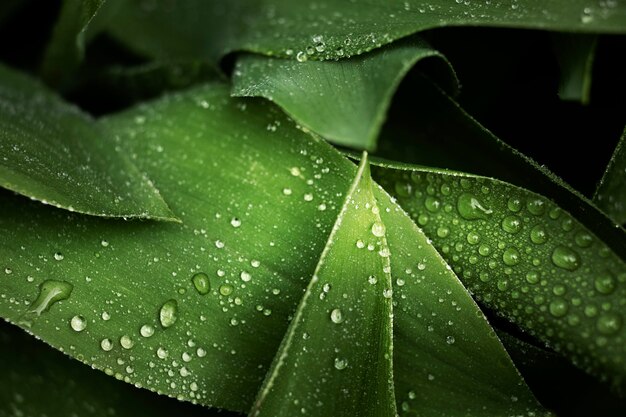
(330, 29)
(610, 195)
(341, 336)
(527, 259)
(197, 309)
(67, 46)
(345, 101)
(575, 54)
(54, 153)
(443, 345)
(37, 381)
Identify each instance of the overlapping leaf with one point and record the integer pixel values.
(611, 192)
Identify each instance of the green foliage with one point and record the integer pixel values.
(205, 233)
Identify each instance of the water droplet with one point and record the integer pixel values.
(450, 340)
(558, 307)
(532, 277)
(106, 344)
(511, 224)
(105, 316)
(219, 244)
(8, 271)
(104, 243)
(538, 235)
(235, 222)
(403, 189)
(565, 258)
(168, 313)
(511, 256)
(162, 353)
(308, 197)
(126, 342)
(473, 238)
(605, 283)
(360, 244)
(583, 239)
(471, 208)
(245, 276)
(536, 206)
(336, 316)
(201, 283)
(387, 293)
(287, 191)
(609, 323)
(341, 363)
(372, 279)
(443, 232)
(226, 289)
(146, 330)
(378, 229)
(514, 204)
(200, 352)
(432, 204)
(301, 56)
(50, 292)
(78, 323)
(58, 256)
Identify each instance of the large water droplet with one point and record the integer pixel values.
(538, 235)
(146, 330)
(511, 256)
(536, 206)
(565, 258)
(609, 323)
(78, 323)
(226, 289)
(106, 344)
(126, 342)
(558, 307)
(336, 316)
(605, 283)
(511, 224)
(50, 292)
(201, 283)
(168, 313)
(471, 208)
(378, 229)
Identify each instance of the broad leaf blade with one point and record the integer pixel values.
(575, 54)
(336, 357)
(525, 258)
(345, 101)
(54, 153)
(39, 381)
(610, 195)
(67, 46)
(443, 345)
(329, 29)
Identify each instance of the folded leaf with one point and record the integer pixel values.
(345, 101)
(336, 357)
(610, 195)
(52, 152)
(527, 259)
(39, 381)
(575, 54)
(330, 29)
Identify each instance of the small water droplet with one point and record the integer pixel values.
(336, 316)
(58, 256)
(146, 330)
(126, 342)
(360, 244)
(226, 289)
(219, 244)
(372, 280)
(106, 316)
(473, 238)
(471, 208)
(536, 206)
(235, 222)
(558, 307)
(511, 224)
(514, 204)
(378, 229)
(78, 323)
(341, 363)
(538, 235)
(387, 293)
(511, 256)
(200, 352)
(245, 276)
(104, 243)
(287, 191)
(301, 56)
(162, 353)
(605, 283)
(450, 340)
(583, 239)
(609, 323)
(565, 258)
(106, 344)
(432, 204)
(168, 313)
(201, 283)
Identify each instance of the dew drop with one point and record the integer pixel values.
(378, 229)
(360, 244)
(514, 204)
(558, 307)
(146, 330)
(201, 283)
(287, 191)
(168, 313)
(50, 292)
(104, 243)
(336, 316)
(235, 222)
(372, 279)
(450, 340)
(341, 363)
(301, 56)
(538, 235)
(58, 256)
(78, 323)
(609, 323)
(105, 316)
(583, 239)
(511, 256)
(432, 204)
(126, 342)
(226, 289)
(473, 238)
(162, 353)
(471, 208)
(604, 283)
(511, 224)
(245, 276)
(106, 344)
(565, 258)
(387, 292)
(536, 206)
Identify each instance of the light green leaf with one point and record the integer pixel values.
(575, 54)
(443, 344)
(345, 101)
(527, 259)
(54, 153)
(39, 381)
(331, 29)
(67, 46)
(336, 357)
(610, 195)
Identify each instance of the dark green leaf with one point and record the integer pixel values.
(611, 192)
(527, 259)
(575, 54)
(67, 46)
(345, 101)
(54, 153)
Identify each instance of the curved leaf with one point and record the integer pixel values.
(67, 46)
(345, 101)
(575, 54)
(329, 29)
(54, 153)
(336, 357)
(611, 192)
(38, 381)
(527, 259)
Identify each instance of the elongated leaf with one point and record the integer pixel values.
(39, 381)
(345, 101)
(336, 358)
(443, 345)
(611, 192)
(196, 310)
(576, 55)
(330, 29)
(52, 152)
(67, 46)
(437, 132)
(525, 258)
